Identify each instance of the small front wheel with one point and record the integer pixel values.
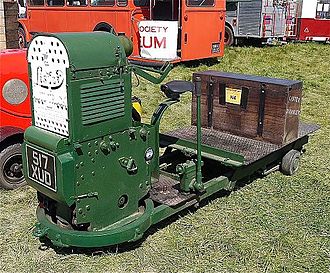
(290, 162)
(11, 173)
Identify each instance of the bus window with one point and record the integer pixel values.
(77, 3)
(199, 3)
(166, 10)
(57, 3)
(231, 6)
(141, 3)
(323, 10)
(122, 3)
(21, 8)
(103, 2)
(36, 2)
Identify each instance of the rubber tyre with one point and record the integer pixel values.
(229, 36)
(21, 38)
(290, 162)
(11, 174)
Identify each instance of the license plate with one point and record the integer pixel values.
(216, 48)
(41, 167)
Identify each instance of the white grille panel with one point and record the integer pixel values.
(48, 59)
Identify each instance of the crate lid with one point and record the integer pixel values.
(246, 77)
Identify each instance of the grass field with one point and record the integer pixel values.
(275, 224)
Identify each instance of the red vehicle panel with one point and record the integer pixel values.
(14, 67)
(314, 29)
(15, 115)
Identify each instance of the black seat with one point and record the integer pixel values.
(174, 89)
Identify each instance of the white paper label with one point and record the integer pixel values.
(49, 61)
(158, 39)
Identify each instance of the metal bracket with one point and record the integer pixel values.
(87, 195)
(157, 115)
(163, 72)
(261, 112)
(210, 91)
(129, 164)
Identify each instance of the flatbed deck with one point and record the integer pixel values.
(251, 149)
(246, 154)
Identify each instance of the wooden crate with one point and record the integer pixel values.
(262, 108)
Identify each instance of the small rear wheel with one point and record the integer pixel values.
(290, 162)
(11, 172)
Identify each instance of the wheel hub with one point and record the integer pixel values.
(12, 169)
(295, 164)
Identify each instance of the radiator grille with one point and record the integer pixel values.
(102, 102)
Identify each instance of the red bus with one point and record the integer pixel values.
(166, 30)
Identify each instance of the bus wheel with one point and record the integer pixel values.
(21, 38)
(105, 27)
(229, 36)
(11, 173)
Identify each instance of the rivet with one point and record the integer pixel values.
(80, 211)
(77, 166)
(96, 152)
(140, 186)
(81, 163)
(96, 142)
(89, 144)
(89, 153)
(88, 207)
(93, 173)
(82, 177)
(93, 159)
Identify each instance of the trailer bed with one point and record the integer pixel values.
(251, 149)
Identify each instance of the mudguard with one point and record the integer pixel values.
(9, 131)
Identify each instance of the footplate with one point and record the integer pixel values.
(167, 191)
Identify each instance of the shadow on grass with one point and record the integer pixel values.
(257, 43)
(196, 63)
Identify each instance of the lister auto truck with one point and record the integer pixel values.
(101, 177)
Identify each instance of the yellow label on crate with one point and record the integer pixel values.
(233, 96)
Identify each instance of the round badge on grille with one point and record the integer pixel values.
(149, 154)
(15, 91)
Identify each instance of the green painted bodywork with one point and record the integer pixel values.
(103, 175)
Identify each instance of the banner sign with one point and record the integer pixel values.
(158, 39)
